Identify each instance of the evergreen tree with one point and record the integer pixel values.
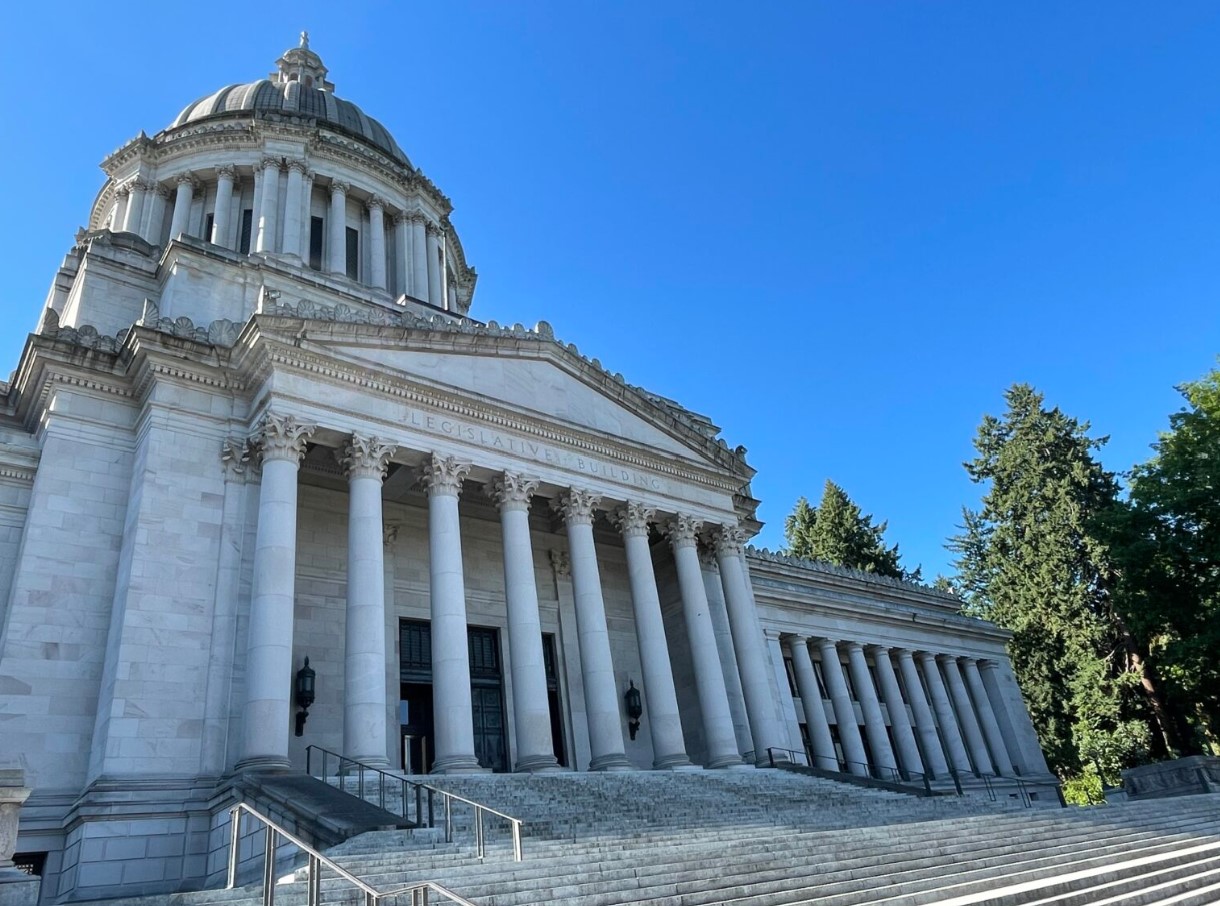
(835, 531)
(1032, 560)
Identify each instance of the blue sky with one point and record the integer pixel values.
(839, 229)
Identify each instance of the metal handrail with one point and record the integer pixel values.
(876, 772)
(313, 882)
(421, 791)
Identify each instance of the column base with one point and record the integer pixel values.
(534, 764)
(264, 763)
(458, 764)
(616, 761)
(371, 761)
(767, 757)
(724, 761)
(675, 762)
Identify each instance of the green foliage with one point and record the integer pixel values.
(835, 531)
(1083, 789)
(1031, 561)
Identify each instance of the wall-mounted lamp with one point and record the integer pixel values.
(635, 708)
(304, 694)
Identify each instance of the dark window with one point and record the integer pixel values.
(30, 863)
(484, 654)
(247, 224)
(817, 673)
(315, 242)
(791, 671)
(207, 227)
(353, 253)
(415, 644)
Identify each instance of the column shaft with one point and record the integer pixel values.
(224, 207)
(269, 206)
(292, 208)
(531, 705)
(870, 708)
(991, 684)
(748, 642)
(660, 698)
(419, 259)
(900, 723)
(987, 718)
(720, 741)
(966, 718)
(182, 206)
(593, 639)
(816, 724)
(337, 252)
(452, 711)
(925, 726)
(269, 646)
(714, 589)
(950, 733)
(402, 255)
(135, 209)
(377, 260)
(845, 714)
(434, 266)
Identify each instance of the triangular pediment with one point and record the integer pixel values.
(526, 372)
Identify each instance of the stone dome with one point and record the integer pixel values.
(298, 89)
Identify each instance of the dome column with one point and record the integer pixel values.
(292, 208)
(182, 205)
(337, 258)
(269, 206)
(419, 258)
(376, 208)
(435, 289)
(402, 254)
(225, 177)
(135, 207)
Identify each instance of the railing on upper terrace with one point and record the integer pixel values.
(370, 781)
(894, 776)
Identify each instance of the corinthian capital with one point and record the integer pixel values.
(226, 171)
(729, 540)
(366, 457)
(442, 475)
(434, 229)
(375, 201)
(299, 165)
(577, 506)
(337, 186)
(282, 437)
(683, 530)
(632, 520)
(511, 491)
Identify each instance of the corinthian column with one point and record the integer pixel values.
(453, 715)
(337, 253)
(182, 205)
(531, 705)
(987, 718)
(364, 702)
(900, 723)
(845, 714)
(135, 207)
(664, 721)
(376, 208)
(593, 639)
(925, 726)
(402, 254)
(965, 715)
(820, 739)
(269, 206)
(281, 440)
(749, 644)
(719, 738)
(870, 708)
(225, 177)
(435, 288)
(293, 205)
(419, 258)
(954, 747)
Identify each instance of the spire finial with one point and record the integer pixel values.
(305, 40)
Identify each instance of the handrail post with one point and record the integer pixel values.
(516, 840)
(431, 809)
(448, 818)
(309, 760)
(478, 832)
(313, 895)
(381, 789)
(771, 756)
(234, 838)
(927, 784)
(269, 868)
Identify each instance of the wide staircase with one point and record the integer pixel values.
(771, 838)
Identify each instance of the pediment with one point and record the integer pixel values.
(526, 372)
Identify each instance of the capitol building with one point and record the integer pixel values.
(260, 422)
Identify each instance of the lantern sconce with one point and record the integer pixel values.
(635, 708)
(304, 694)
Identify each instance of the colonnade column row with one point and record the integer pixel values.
(724, 644)
(845, 713)
(593, 638)
(748, 642)
(531, 706)
(665, 722)
(900, 723)
(987, 718)
(989, 672)
(336, 259)
(293, 208)
(954, 747)
(870, 709)
(720, 741)
(966, 719)
(281, 440)
(811, 700)
(925, 726)
(225, 178)
(182, 205)
(269, 206)
(453, 714)
(364, 689)
(376, 207)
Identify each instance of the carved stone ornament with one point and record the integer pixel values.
(401, 217)
(633, 518)
(434, 229)
(683, 530)
(577, 506)
(707, 558)
(271, 163)
(770, 556)
(729, 540)
(511, 491)
(375, 201)
(366, 457)
(123, 191)
(297, 164)
(562, 564)
(282, 437)
(389, 534)
(221, 332)
(186, 179)
(442, 475)
(338, 186)
(235, 454)
(227, 171)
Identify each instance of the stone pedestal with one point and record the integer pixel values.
(1182, 777)
(16, 887)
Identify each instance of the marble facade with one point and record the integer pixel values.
(257, 424)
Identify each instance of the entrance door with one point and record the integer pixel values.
(487, 699)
